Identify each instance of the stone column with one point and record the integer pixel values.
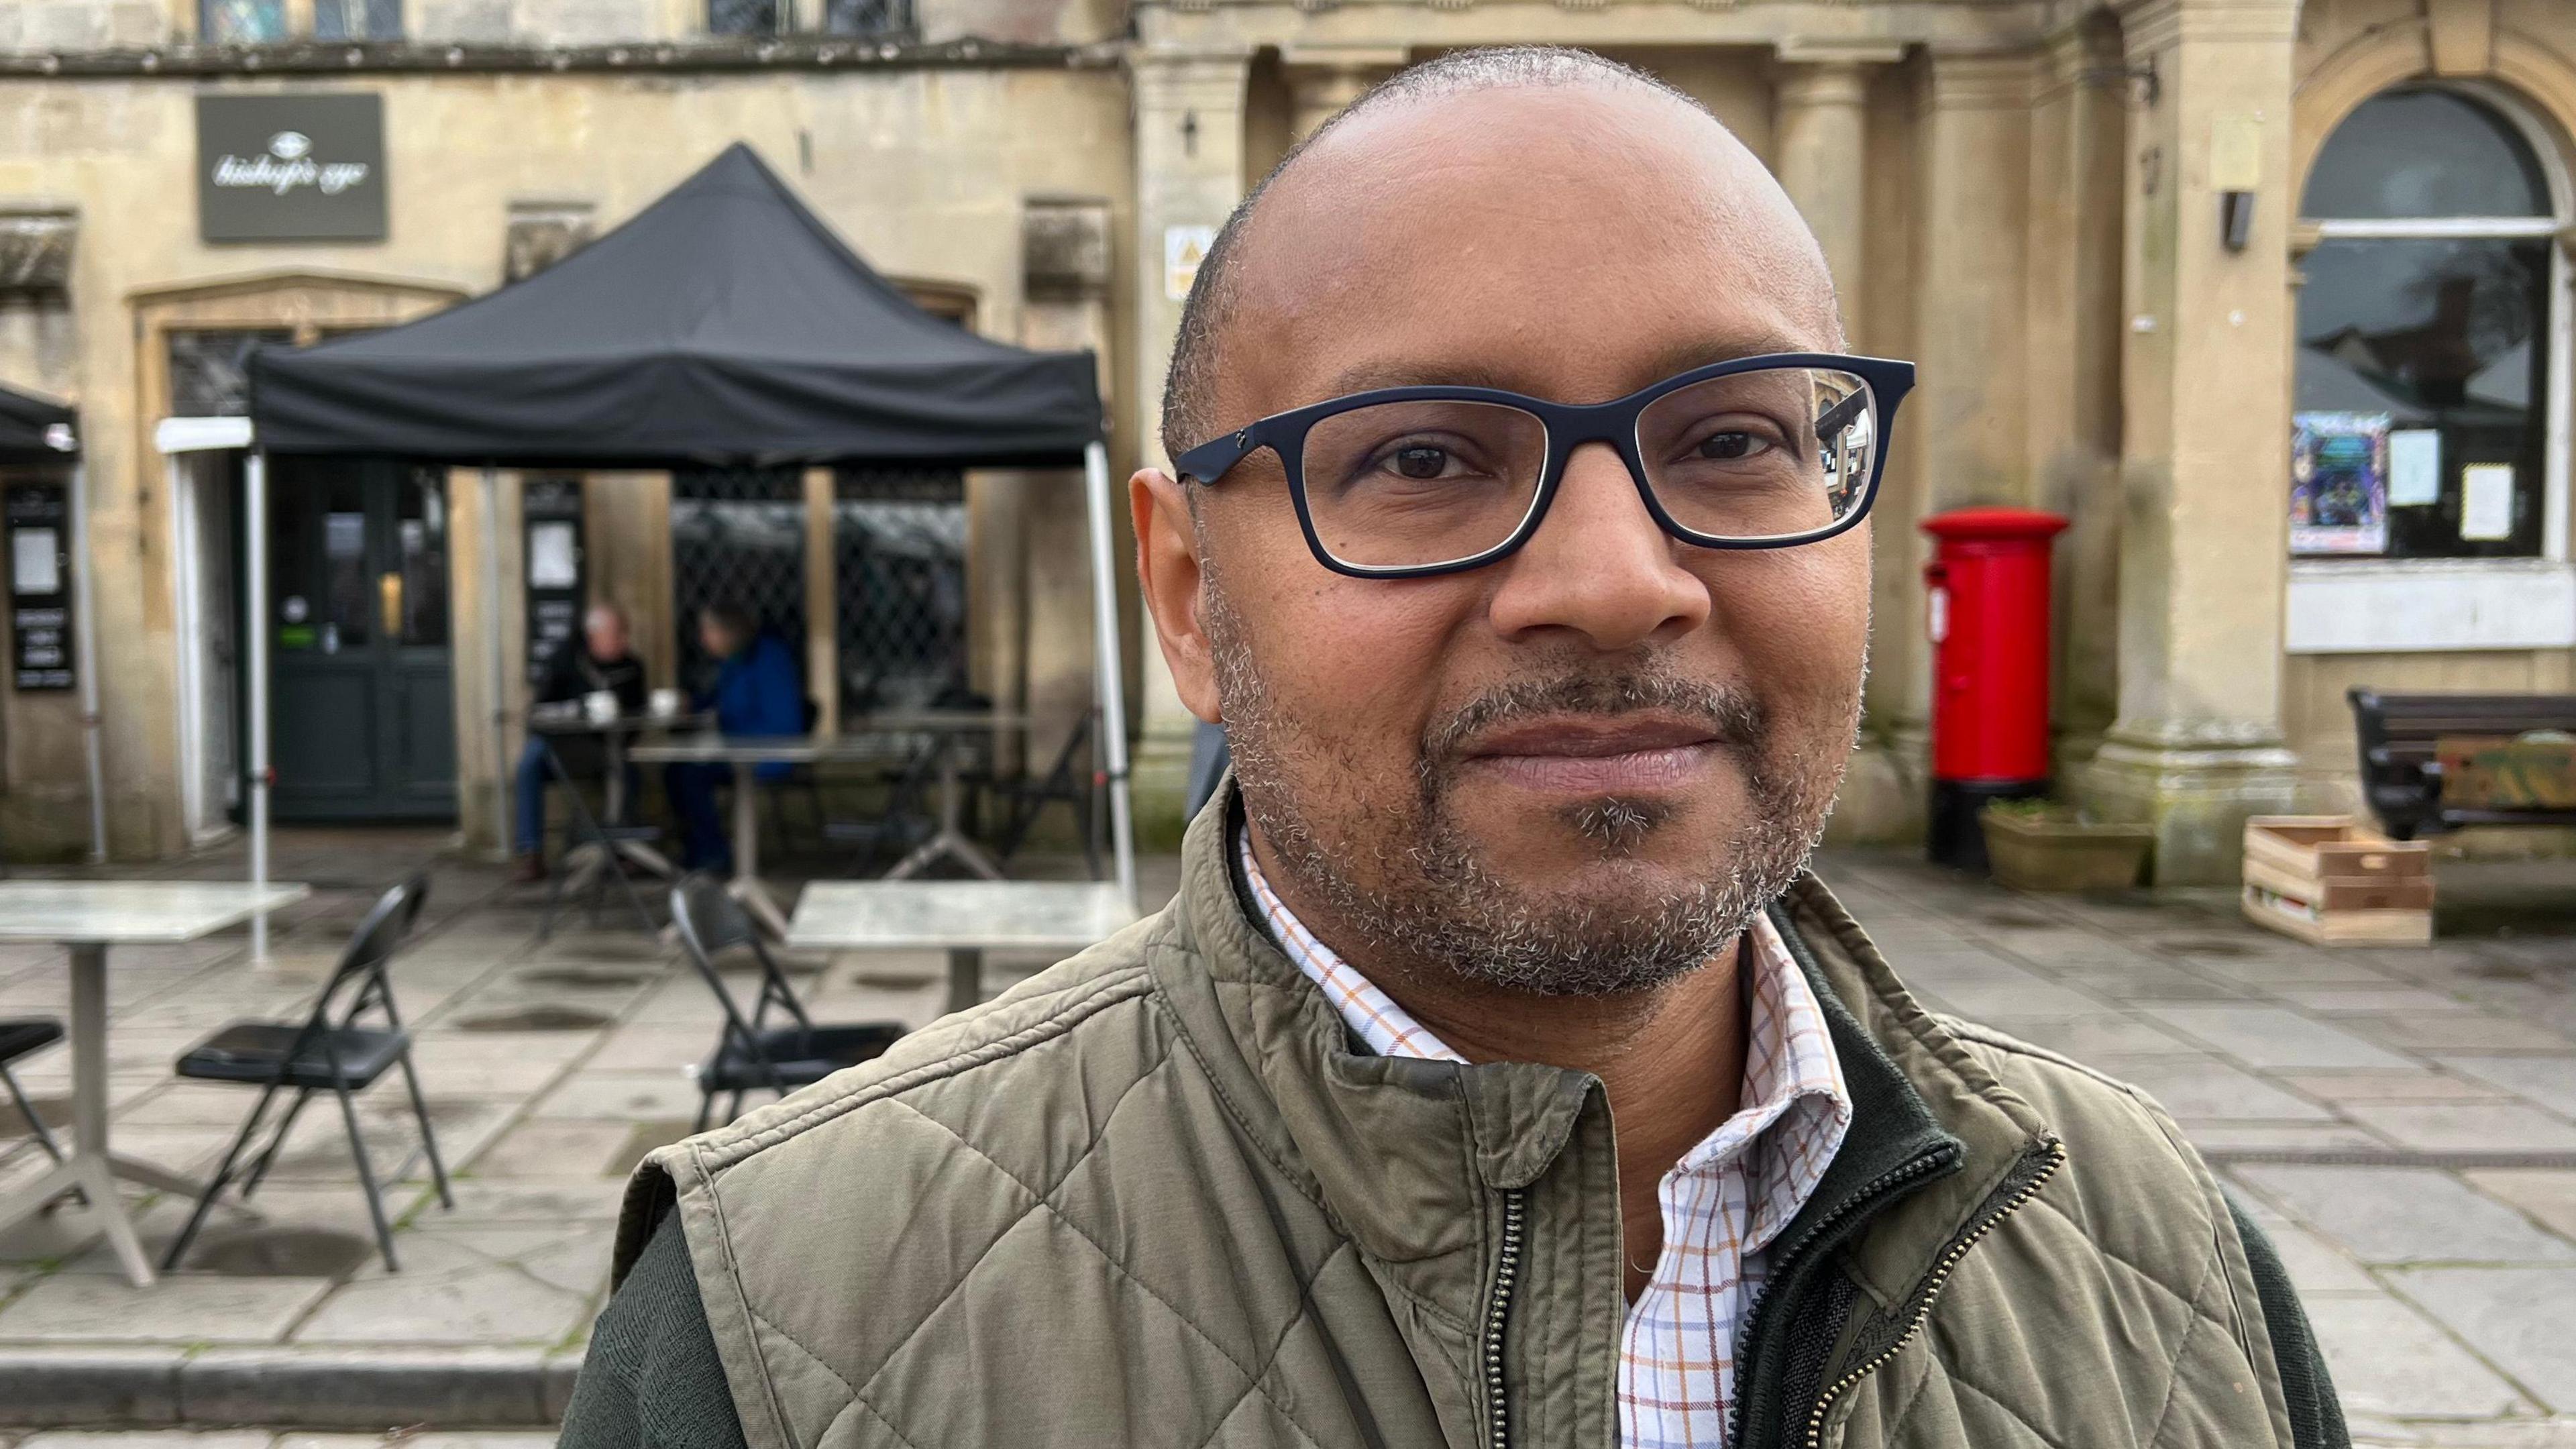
(1189, 175)
(2078, 136)
(1820, 152)
(1961, 436)
(1322, 80)
(1066, 249)
(2198, 745)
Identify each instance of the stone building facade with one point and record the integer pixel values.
(2165, 265)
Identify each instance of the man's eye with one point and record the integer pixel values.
(1728, 446)
(1420, 461)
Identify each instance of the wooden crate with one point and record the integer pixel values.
(2327, 880)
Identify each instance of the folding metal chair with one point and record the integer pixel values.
(1023, 800)
(327, 1052)
(20, 1036)
(750, 1055)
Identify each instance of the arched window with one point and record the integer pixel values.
(2431, 376)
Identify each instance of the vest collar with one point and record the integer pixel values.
(1400, 1153)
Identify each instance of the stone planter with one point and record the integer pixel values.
(2057, 852)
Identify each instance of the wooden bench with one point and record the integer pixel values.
(2400, 774)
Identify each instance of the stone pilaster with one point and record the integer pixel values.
(1820, 142)
(2205, 460)
(1189, 175)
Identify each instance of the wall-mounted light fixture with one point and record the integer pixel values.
(2236, 173)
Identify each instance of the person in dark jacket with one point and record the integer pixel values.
(758, 691)
(603, 658)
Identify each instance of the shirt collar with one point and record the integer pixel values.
(1791, 1073)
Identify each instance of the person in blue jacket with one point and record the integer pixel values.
(759, 691)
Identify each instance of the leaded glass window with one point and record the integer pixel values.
(738, 538)
(210, 370)
(899, 565)
(241, 22)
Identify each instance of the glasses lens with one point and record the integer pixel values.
(1765, 454)
(1409, 484)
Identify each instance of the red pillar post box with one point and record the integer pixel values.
(1989, 619)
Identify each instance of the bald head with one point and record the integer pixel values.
(1521, 138)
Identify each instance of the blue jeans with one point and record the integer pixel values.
(692, 788)
(531, 798)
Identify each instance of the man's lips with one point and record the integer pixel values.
(1596, 756)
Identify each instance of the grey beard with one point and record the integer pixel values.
(1441, 910)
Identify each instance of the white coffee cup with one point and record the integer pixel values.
(666, 703)
(600, 705)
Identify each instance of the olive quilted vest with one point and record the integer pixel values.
(1153, 1197)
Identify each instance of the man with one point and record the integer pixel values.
(602, 660)
(1536, 711)
(757, 692)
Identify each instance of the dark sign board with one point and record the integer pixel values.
(40, 587)
(552, 507)
(291, 167)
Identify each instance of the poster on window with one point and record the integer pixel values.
(2339, 483)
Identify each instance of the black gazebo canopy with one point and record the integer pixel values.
(36, 429)
(723, 324)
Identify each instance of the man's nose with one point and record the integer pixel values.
(1598, 565)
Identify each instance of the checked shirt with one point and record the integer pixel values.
(1722, 1203)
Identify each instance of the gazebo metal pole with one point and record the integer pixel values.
(85, 645)
(255, 624)
(1113, 675)
(496, 675)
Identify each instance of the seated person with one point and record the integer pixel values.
(759, 691)
(601, 660)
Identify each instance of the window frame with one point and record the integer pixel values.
(2375, 605)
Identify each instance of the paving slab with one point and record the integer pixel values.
(553, 1147)
(2357, 1000)
(2101, 1034)
(2516, 1318)
(2387, 1358)
(2413, 1084)
(494, 1304)
(2548, 1195)
(2276, 1037)
(179, 1308)
(2466, 1126)
(2403, 1215)
(150, 1440)
(2453, 1031)
(2205, 1089)
(2549, 1081)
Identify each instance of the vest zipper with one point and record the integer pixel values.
(1949, 1260)
(1507, 1275)
(1871, 1195)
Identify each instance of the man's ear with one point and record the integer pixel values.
(1169, 577)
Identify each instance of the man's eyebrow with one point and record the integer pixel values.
(1378, 373)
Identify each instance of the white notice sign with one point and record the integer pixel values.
(2486, 501)
(554, 555)
(35, 561)
(1184, 247)
(2414, 467)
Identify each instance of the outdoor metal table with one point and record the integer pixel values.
(87, 917)
(947, 727)
(965, 918)
(746, 753)
(583, 862)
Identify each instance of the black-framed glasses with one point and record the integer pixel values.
(1402, 482)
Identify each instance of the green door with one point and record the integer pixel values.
(363, 719)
